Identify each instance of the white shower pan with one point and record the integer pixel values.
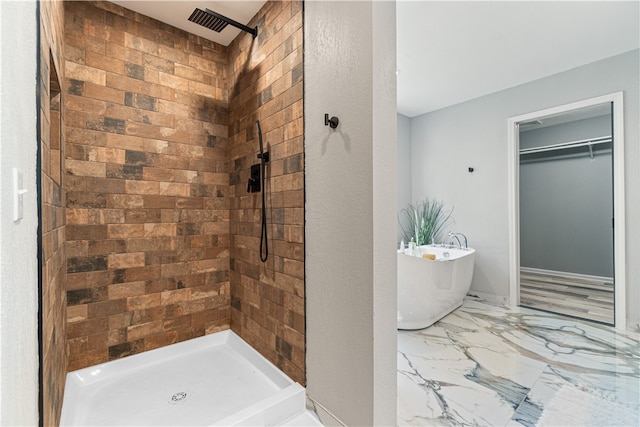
(214, 380)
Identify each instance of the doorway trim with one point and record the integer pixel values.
(620, 313)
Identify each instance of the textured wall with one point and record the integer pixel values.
(350, 218)
(53, 257)
(18, 245)
(265, 83)
(147, 184)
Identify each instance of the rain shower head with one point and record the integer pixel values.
(216, 22)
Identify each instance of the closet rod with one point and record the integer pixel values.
(572, 144)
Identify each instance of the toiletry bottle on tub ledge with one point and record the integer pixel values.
(412, 247)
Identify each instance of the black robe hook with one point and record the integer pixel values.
(332, 122)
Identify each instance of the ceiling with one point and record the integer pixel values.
(177, 13)
(453, 51)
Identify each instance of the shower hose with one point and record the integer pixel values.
(264, 245)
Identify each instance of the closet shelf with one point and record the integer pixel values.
(572, 144)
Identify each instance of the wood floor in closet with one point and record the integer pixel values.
(586, 299)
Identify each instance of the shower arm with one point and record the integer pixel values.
(252, 31)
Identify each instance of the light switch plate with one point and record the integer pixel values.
(18, 195)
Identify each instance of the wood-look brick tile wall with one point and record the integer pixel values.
(265, 83)
(52, 251)
(147, 184)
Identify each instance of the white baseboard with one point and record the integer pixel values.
(633, 327)
(324, 415)
(490, 298)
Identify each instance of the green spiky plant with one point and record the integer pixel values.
(425, 221)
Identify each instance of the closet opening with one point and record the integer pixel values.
(567, 191)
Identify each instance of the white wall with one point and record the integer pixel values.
(18, 264)
(404, 167)
(474, 133)
(350, 225)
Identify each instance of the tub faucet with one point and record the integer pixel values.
(455, 236)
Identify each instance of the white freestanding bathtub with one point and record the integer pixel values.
(214, 380)
(430, 289)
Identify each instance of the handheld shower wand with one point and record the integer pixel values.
(264, 158)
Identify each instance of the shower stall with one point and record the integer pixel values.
(149, 236)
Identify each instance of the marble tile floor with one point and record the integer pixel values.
(491, 365)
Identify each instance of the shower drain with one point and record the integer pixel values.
(178, 397)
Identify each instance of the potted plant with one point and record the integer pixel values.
(425, 221)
